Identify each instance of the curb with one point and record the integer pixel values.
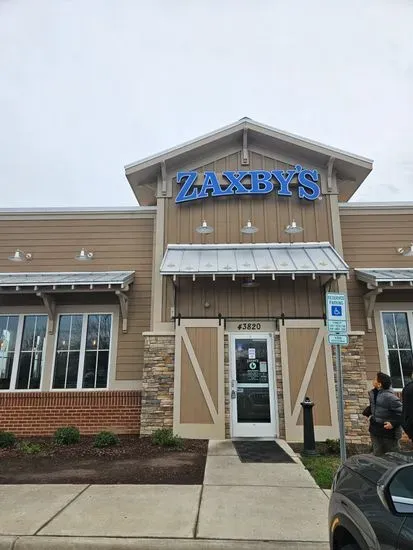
(91, 543)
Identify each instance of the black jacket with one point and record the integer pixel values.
(407, 401)
(384, 406)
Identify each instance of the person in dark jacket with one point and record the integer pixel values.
(385, 414)
(407, 402)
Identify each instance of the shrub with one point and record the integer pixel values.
(68, 435)
(166, 438)
(333, 446)
(7, 439)
(30, 448)
(105, 439)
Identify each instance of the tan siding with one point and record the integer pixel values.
(194, 408)
(371, 240)
(205, 342)
(118, 244)
(300, 298)
(271, 214)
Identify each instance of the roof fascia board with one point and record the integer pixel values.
(185, 147)
(282, 157)
(253, 126)
(376, 207)
(315, 146)
(77, 213)
(368, 269)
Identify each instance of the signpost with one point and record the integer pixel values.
(336, 310)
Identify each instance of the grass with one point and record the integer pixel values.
(322, 468)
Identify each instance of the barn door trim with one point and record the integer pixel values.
(216, 429)
(292, 413)
(308, 373)
(200, 377)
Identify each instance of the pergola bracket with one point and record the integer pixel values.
(245, 159)
(124, 306)
(369, 302)
(50, 305)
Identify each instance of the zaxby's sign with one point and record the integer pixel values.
(252, 182)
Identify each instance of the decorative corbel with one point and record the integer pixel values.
(245, 158)
(330, 174)
(50, 305)
(124, 303)
(163, 176)
(369, 302)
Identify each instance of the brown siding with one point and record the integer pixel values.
(271, 214)
(118, 244)
(370, 240)
(300, 298)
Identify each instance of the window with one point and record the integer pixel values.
(82, 351)
(22, 344)
(397, 328)
(8, 333)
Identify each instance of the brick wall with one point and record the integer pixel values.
(40, 414)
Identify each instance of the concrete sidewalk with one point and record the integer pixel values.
(268, 506)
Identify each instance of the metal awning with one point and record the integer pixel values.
(70, 280)
(253, 259)
(380, 279)
(47, 285)
(386, 276)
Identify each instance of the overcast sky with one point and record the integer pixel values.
(87, 86)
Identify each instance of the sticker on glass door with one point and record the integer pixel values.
(252, 386)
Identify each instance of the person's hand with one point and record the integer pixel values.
(388, 426)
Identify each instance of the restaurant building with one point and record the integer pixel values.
(203, 308)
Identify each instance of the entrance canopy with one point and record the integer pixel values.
(48, 285)
(380, 279)
(273, 259)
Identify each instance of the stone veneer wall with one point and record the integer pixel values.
(157, 383)
(356, 388)
(158, 386)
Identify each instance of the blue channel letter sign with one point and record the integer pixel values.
(196, 186)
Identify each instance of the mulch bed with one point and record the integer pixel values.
(134, 460)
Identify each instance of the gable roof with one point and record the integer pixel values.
(348, 166)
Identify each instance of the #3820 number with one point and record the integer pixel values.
(249, 326)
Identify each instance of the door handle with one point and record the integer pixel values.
(233, 394)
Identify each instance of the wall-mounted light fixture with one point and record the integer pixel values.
(293, 228)
(20, 256)
(84, 256)
(204, 228)
(408, 251)
(250, 282)
(249, 228)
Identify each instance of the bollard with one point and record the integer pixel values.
(308, 424)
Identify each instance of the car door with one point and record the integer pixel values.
(405, 541)
(368, 514)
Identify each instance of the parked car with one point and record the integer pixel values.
(371, 504)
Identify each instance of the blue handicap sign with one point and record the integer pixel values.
(336, 311)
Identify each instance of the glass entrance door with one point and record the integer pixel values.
(252, 386)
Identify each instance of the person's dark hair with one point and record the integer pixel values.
(384, 380)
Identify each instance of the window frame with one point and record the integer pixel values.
(383, 347)
(82, 351)
(17, 349)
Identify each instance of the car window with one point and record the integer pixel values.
(402, 484)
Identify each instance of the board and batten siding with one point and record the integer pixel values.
(124, 243)
(370, 240)
(271, 214)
